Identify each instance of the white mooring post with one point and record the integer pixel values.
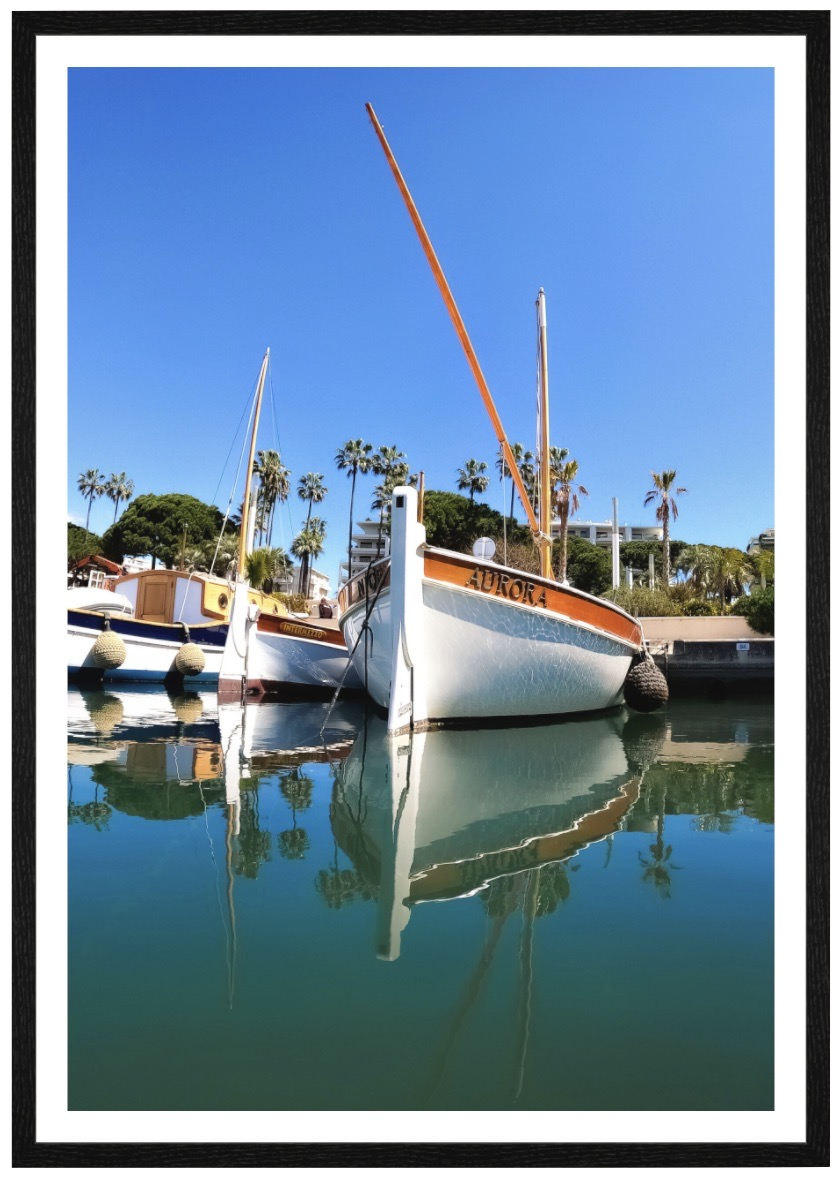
(616, 547)
(408, 707)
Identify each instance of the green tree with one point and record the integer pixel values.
(155, 525)
(565, 500)
(119, 488)
(81, 543)
(354, 457)
(91, 484)
(758, 608)
(762, 562)
(454, 522)
(589, 566)
(663, 494)
(471, 478)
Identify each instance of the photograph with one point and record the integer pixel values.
(425, 406)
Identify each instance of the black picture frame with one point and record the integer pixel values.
(815, 27)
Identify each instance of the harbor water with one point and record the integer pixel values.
(281, 908)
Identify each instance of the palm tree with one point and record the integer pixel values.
(524, 461)
(354, 457)
(118, 488)
(310, 487)
(664, 492)
(91, 484)
(471, 478)
(274, 486)
(307, 545)
(390, 462)
(564, 499)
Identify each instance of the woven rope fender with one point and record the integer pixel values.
(190, 658)
(645, 688)
(108, 651)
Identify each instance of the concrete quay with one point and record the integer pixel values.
(711, 655)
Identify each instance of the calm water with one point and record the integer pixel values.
(264, 915)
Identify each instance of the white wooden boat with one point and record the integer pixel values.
(277, 654)
(438, 636)
(175, 626)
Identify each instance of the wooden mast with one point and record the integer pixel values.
(460, 328)
(544, 537)
(243, 531)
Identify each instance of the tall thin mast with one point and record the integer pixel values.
(243, 531)
(544, 538)
(460, 328)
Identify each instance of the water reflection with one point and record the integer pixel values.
(233, 841)
(447, 814)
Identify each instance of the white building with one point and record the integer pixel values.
(366, 547)
(600, 531)
(319, 584)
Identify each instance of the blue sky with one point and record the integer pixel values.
(217, 212)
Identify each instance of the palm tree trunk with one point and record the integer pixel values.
(666, 547)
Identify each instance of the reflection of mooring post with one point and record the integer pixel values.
(231, 719)
(398, 844)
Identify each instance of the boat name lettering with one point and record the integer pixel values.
(305, 632)
(516, 589)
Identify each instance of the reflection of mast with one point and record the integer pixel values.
(231, 722)
(232, 830)
(470, 995)
(531, 898)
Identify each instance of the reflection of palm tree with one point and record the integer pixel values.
(296, 789)
(93, 814)
(342, 886)
(254, 843)
(657, 867)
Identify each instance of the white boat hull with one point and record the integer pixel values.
(149, 653)
(498, 662)
(439, 637)
(296, 658)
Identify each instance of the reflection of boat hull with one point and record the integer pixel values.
(483, 642)
(151, 648)
(474, 809)
(287, 656)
